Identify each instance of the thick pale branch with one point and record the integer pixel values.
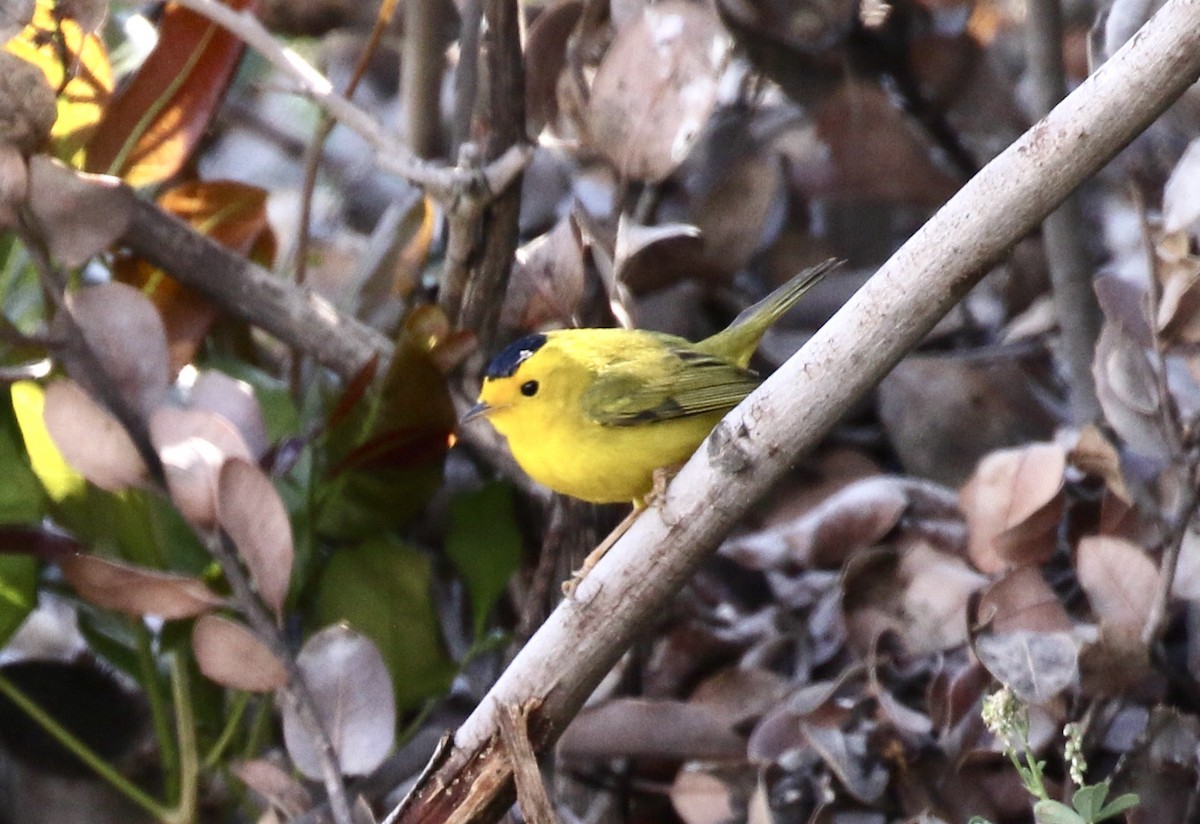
(804, 399)
(299, 318)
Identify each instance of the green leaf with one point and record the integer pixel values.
(21, 493)
(1089, 800)
(18, 592)
(1118, 805)
(485, 544)
(1055, 812)
(381, 589)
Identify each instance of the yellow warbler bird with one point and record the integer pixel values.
(594, 413)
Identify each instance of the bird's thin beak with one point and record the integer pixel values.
(477, 411)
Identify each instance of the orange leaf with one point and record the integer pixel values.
(231, 213)
(155, 122)
(76, 66)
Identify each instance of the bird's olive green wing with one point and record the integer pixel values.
(664, 383)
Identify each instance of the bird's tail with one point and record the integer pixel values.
(738, 341)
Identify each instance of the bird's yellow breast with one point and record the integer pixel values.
(559, 445)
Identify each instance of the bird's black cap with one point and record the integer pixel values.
(510, 357)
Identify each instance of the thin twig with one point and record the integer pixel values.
(1063, 231)
(1183, 454)
(422, 70)
(296, 693)
(443, 183)
(466, 77)
(313, 155)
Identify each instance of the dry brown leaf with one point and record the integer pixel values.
(944, 413)
(252, 513)
(125, 333)
(1021, 600)
(547, 280)
(230, 654)
(1095, 455)
(234, 401)
(1013, 504)
(193, 444)
(649, 728)
(1036, 665)
(1186, 583)
(655, 88)
(855, 517)
(80, 214)
(275, 785)
(545, 57)
(919, 593)
(935, 597)
(1181, 194)
(1128, 394)
(1120, 581)
(90, 439)
(736, 695)
(137, 591)
(706, 792)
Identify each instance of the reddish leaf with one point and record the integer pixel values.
(90, 439)
(137, 591)
(231, 655)
(250, 510)
(153, 125)
(347, 678)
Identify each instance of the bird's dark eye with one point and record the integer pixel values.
(529, 388)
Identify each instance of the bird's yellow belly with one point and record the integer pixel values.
(608, 464)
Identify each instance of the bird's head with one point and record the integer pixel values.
(515, 385)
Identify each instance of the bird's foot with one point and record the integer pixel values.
(571, 584)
